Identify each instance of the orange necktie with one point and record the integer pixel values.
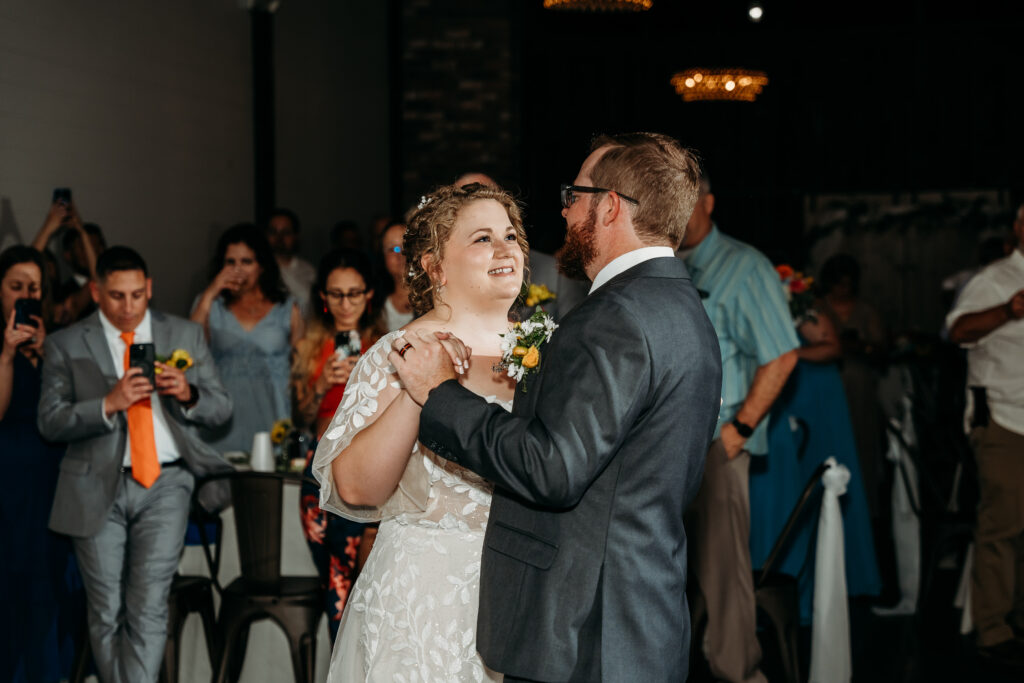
(145, 465)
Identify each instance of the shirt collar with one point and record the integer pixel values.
(143, 332)
(624, 262)
(701, 255)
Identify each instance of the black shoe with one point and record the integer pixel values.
(1008, 652)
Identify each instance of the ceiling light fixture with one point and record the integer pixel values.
(600, 5)
(739, 85)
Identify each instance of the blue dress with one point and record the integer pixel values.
(254, 367)
(814, 394)
(42, 602)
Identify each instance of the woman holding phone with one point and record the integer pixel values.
(38, 575)
(343, 325)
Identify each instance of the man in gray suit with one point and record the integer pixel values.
(584, 562)
(133, 454)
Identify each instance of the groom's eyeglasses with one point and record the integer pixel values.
(569, 194)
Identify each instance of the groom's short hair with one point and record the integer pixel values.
(658, 172)
(119, 258)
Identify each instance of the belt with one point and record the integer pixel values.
(163, 466)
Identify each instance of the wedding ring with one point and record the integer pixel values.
(401, 351)
(34, 340)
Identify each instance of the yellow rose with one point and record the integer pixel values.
(532, 358)
(519, 351)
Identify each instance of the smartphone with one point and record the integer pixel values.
(347, 344)
(24, 309)
(143, 356)
(62, 195)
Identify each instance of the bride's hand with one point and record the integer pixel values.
(457, 350)
(423, 362)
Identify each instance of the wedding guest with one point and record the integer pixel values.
(319, 374)
(747, 307)
(126, 480)
(40, 596)
(863, 338)
(296, 273)
(346, 235)
(987, 320)
(252, 326)
(397, 309)
(81, 244)
(813, 395)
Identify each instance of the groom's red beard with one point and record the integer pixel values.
(579, 249)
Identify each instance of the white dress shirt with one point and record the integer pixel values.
(626, 261)
(996, 361)
(166, 449)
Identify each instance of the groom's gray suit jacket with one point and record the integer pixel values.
(78, 373)
(584, 565)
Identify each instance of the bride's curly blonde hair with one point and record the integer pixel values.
(430, 227)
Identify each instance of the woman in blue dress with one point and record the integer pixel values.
(814, 397)
(252, 326)
(41, 598)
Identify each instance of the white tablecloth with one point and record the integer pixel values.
(267, 657)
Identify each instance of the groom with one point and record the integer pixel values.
(584, 562)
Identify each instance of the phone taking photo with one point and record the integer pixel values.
(347, 344)
(24, 309)
(143, 356)
(62, 195)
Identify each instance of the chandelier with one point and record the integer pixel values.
(739, 85)
(600, 5)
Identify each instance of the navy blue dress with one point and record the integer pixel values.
(42, 602)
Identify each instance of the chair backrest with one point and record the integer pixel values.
(783, 538)
(257, 497)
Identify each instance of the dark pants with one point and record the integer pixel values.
(997, 583)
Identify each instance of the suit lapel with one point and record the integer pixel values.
(97, 344)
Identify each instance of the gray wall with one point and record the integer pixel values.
(144, 110)
(332, 113)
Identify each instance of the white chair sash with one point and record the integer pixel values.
(830, 631)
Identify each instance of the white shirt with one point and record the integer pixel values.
(394, 320)
(166, 449)
(298, 277)
(626, 261)
(996, 361)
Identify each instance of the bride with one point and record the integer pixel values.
(412, 613)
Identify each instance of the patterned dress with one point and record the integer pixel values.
(411, 616)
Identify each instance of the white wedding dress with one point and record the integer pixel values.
(411, 616)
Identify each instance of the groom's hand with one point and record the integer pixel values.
(425, 361)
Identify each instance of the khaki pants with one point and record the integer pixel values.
(720, 528)
(997, 583)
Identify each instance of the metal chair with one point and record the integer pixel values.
(295, 603)
(777, 595)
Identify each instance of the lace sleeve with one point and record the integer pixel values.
(370, 390)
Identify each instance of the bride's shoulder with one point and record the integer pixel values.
(377, 355)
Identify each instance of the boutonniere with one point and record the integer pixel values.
(179, 358)
(537, 294)
(797, 288)
(520, 346)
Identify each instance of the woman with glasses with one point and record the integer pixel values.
(343, 325)
(397, 309)
(252, 325)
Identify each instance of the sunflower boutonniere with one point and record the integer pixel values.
(179, 358)
(520, 346)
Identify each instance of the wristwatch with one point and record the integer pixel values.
(744, 430)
